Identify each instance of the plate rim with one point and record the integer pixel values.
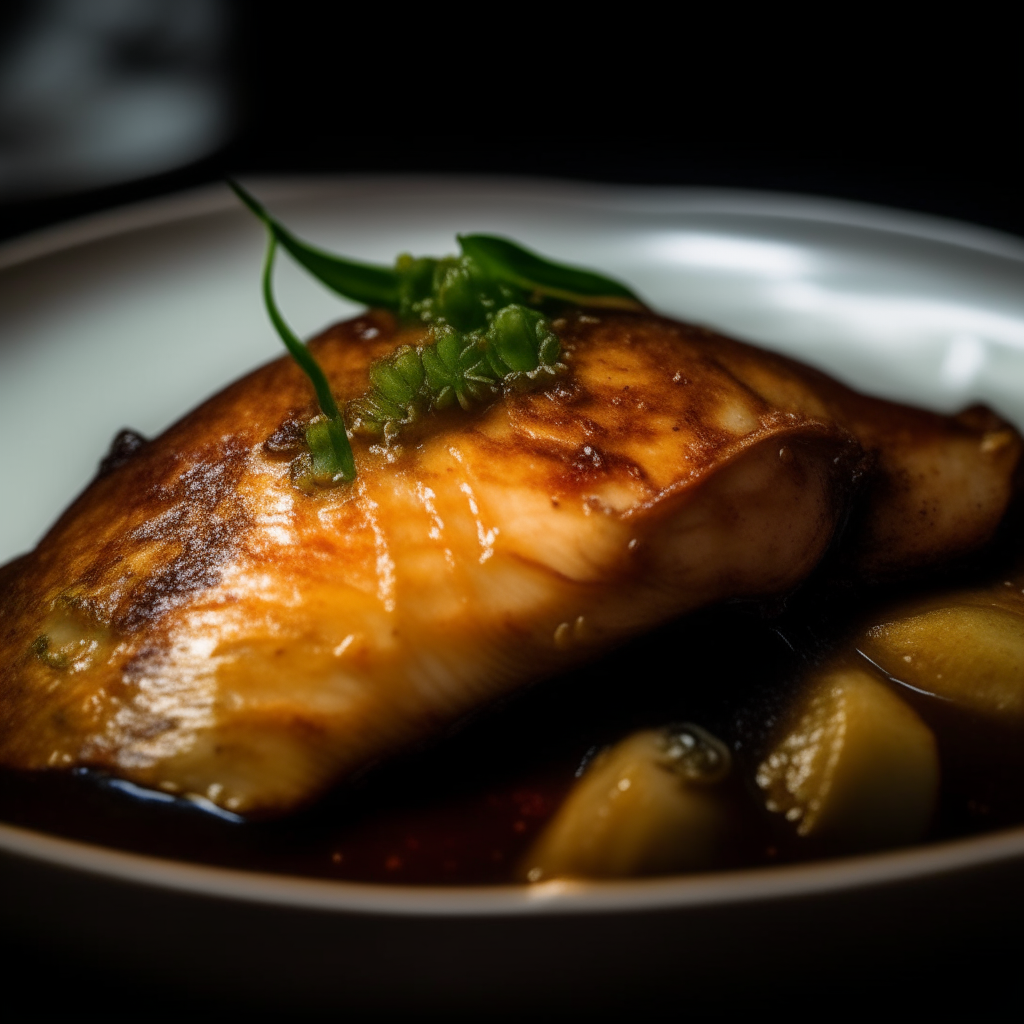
(677, 892)
(212, 199)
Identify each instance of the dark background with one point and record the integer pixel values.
(851, 108)
(855, 110)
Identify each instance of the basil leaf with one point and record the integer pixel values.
(360, 282)
(507, 261)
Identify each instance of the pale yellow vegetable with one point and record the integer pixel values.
(971, 655)
(856, 769)
(649, 805)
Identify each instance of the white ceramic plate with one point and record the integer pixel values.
(132, 317)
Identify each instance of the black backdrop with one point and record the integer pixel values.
(851, 109)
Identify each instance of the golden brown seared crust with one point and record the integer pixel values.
(194, 622)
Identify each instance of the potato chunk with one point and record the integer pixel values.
(650, 804)
(973, 656)
(856, 769)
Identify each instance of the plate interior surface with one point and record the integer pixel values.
(132, 318)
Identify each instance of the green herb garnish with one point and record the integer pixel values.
(361, 282)
(509, 262)
(486, 332)
(331, 459)
(517, 349)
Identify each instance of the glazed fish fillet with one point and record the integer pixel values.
(935, 487)
(196, 623)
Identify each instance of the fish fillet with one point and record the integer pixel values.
(197, 624)
(935, 488)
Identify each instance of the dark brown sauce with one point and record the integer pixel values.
(466, 810)
(461, 812)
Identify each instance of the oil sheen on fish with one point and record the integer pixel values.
(196, 623)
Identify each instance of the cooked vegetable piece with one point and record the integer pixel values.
(651, 804)
(969, 654)
(855, 767)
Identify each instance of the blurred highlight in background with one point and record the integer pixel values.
(98, 92)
